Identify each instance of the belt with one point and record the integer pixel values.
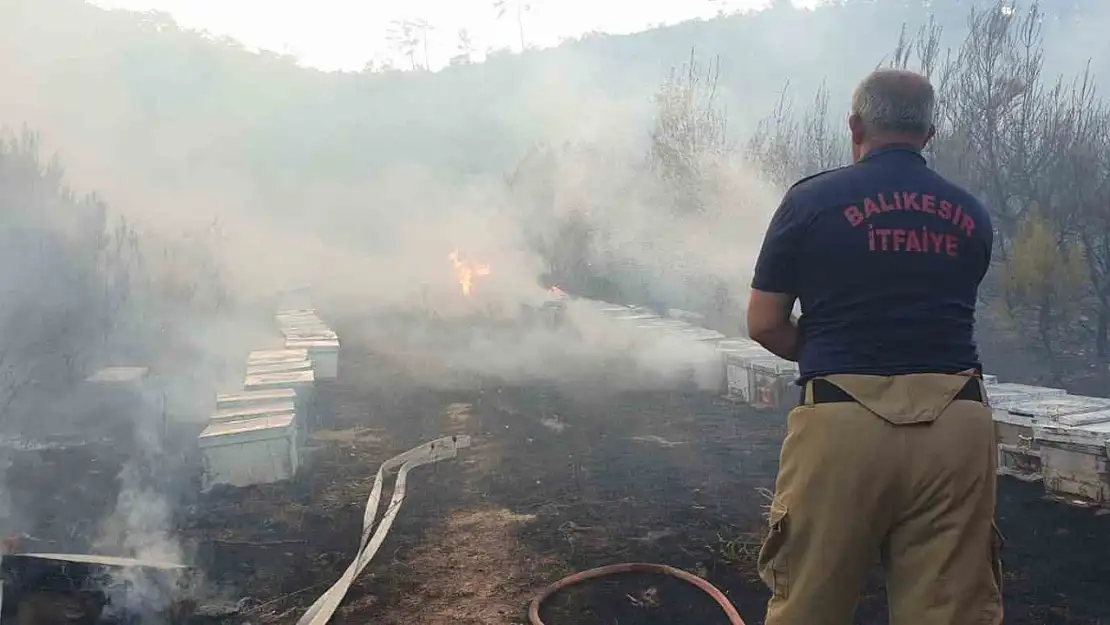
(825, 392)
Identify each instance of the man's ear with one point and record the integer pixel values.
(855, 124)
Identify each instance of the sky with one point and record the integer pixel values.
(346, 34)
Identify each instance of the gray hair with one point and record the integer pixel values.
(894, 101)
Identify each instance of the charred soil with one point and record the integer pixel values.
(560, 480)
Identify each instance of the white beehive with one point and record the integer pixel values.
(119, 375)
(274, 409)
(1065, 409)
(238, 413)
(269, 356)
(1075, 460)
(665, 324)
(1020, 452)
(122, 397)
(702, 334)
(1018, 455)
(635, 317)
(323, 353)
(296, 314)
(250, 451)
(739, 343)
(990, 379)
(226, 401)
(303, 382)
(738, 373)
(310, 334)
(1006, 392)
(772, 380)
(279, 367)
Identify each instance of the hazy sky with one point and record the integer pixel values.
(345, 34)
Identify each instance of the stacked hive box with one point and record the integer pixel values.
(255, 435)
(302, 329)
(756, 376)
(1063, 440)
(673, 346)
(738, 368)
(1043, 434)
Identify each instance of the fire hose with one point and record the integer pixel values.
(321, 611)
(634, 567)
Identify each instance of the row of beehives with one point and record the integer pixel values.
(1044, 434)
(256, 434)
(736, 367)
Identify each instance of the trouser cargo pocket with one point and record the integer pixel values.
(773, 564)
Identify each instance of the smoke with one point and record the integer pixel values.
(216, 190)
(225, 177)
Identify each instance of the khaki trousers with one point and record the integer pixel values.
(906, 476)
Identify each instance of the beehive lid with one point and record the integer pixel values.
(278, 367)
(266, 356)
(1002, 415)
(1054, 408)
(703, 334)
(745, 358)
(1033, 391)
(737, 342)
(1095, 423)
(753, 350)
(1005, 399)
(1097, 420)
(273, 394)
(1091, 436)
(313, 335)
(634, 316)
(663, 322)
(244, 412)
(303, 325)
(312, 343)
(118, 375)
(773, 364)
(308, 324)
(295, 312)
(283, 378)
(277, 425)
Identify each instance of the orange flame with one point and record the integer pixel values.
(466, 273)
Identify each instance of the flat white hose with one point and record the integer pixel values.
(320, 612)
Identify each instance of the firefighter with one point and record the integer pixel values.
(890, 454)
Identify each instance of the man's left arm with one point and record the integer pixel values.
(775, 285)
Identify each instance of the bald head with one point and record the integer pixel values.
(894, 102)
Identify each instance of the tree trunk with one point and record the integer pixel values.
(1044, 330)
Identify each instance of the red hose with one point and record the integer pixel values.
(634, 567)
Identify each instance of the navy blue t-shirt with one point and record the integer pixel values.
(885, 257)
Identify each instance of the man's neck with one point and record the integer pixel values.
(889, 142)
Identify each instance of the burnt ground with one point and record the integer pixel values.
(560, 480)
